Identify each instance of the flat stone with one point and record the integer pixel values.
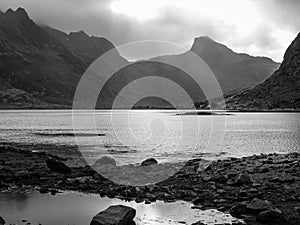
(115, 215)
(105, 160)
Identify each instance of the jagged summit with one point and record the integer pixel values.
(21, 12)
(80, 33)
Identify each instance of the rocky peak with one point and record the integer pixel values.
(80, 35)
(19, 13)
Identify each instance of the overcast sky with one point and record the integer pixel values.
(256, 27)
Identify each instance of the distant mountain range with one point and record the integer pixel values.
(40, 67)
(280, 91)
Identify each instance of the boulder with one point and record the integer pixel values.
(57, 166)
(243, 178)
(257, 205)
(149, 162)
(271, 217)
(115, 215)
(2, 221)
(105, 160)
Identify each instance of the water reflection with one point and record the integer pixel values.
(79, 209)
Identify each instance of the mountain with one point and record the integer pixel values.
(280, 91)
(45, 65)
(233, 70)
(40, 67)
(80, 44)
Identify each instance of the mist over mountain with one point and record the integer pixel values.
(280, 91)
(40, 67)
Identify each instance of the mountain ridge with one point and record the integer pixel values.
(47, 63)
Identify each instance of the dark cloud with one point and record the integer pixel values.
(279, 23)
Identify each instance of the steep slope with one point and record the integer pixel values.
(280, 91)
(44, 66)
(33, 61)
(80, 44)
(233, 70)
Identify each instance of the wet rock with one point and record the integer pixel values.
(149, 162)
(105, 160)
(198, 223)
(44, 190)
(257, 206)
(57, 166)
(271, 217)
(2, 221)
(115, 215)
(243, 178)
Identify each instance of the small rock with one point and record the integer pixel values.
(115, 215)
(57, 166)
(243, 178)
(270, 217)
(105, 160)
(149, 162)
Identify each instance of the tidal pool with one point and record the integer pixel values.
(72, 208)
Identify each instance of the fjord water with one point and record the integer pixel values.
(131, 136)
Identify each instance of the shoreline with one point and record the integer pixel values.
(159, 109)
(273, 177)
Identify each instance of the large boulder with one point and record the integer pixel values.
(271, 217)
(57, 166)
(257, 205)
(115, 215)
(149, 162)
(2, 221)
(105, 160)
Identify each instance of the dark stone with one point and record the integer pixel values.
(115, 215)
(105, 160)
(149, 162)
(243, 178)
(257, 206)
(2, 221)
(271, 217)
(57, 166)
(44, 190)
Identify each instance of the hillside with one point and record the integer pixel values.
(280, 91)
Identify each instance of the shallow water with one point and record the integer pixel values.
(132, 136)
(79, 209)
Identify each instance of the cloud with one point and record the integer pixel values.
(252, 26)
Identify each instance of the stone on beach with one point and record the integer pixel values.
(57, 166)
(115, 215)
(149, 162)
(243, 178)
(105, 160)
(257, 205)
(271, 217)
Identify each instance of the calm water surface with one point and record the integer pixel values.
(131, 136)
(79, 209)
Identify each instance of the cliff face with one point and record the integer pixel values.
(280, 91)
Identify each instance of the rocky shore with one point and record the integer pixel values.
(261, 189)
